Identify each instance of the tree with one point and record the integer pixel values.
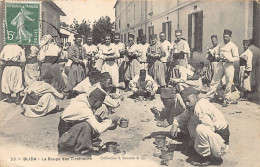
(100, 28)
(84, 28)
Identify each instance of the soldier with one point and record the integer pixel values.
(77, 54)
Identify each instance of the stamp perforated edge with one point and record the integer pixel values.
(40, 20)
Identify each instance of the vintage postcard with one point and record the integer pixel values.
(138, 83)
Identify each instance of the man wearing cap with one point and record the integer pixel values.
(207, 127)
(87, 83)
(78, 128)
(173, 106)
(143, 85)
(211, 56)
(48, 57)
(143, 48)
(182, 77)
(165, 59)
(109, 55)
(155, 66)
(112, 99)
(77, 54)
(181, 45)
(245, 70)
(227, 55)
(91, 50)
(13, 57)
(133, 65)
(121, 48)
(255, 66)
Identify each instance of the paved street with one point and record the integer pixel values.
(23, 139)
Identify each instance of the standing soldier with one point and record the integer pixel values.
(181, 45)
(109, 55)
(166, 59)
(156, 67)
(13, 57)
(91, 50)
(77, 54)
(245, 70)
(120, 47)
(48, 57)
(133, 65)
(143, 48)
(211, 56)
(255, 65)
(227, 54)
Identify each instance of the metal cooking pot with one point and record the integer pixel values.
(112, 146)
(124, 123)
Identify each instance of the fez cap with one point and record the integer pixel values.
(247, 42)
(117, 34)
(105, 75)
(178, 31)
(77, 36)
(214, 36)
(188, 91)
(227, 32)
(94, 74)
(131, 36)
(168, 93)
(98, 94)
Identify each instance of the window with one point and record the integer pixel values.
(121, 38)
(166, 28)
(140, 32)
(151, 32)
(195, 31)
(119, 23)
(124, 38)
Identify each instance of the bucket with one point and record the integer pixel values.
(112, 147)
(141, 98)
(124, 123)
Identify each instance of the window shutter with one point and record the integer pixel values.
(189, 29)
(164, 27)
(200, 30)
(170, 31)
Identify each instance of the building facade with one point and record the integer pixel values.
(197, 19)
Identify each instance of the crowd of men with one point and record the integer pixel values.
(93, 75)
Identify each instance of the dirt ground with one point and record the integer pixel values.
(33, 141)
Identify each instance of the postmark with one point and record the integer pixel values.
(22, 22)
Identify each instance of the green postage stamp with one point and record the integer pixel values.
(22, 22)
